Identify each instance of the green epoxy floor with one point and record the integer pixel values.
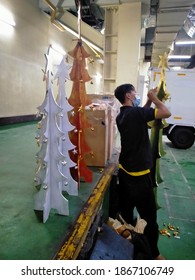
(177, 200)
(23, 236)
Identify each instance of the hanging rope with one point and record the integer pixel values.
(79, 19)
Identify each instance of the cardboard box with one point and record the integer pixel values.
(97, 137)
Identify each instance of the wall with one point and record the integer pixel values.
(22, 59)
(122, 45)
(129, 38)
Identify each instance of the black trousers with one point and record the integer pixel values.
(137, 192)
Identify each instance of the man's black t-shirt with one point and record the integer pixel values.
(135, 152)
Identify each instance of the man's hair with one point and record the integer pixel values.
(121, 90)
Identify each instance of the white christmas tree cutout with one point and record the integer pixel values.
(71, 186)
(53, 172)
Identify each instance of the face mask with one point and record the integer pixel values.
(136, 102)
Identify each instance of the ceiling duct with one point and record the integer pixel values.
(189, 24)
(189, 28)
(150, 27)
(171, 16)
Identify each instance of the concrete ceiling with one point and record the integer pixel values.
(162, 23)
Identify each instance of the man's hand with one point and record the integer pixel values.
(162, 110)
(152, 94)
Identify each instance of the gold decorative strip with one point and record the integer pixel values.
(155, 74)
(177, 118)
(53, 16)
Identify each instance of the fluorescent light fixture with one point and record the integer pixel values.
(6, 22)
(185, 43)
(6, 16)
(176, 68)
(179, 56)
(6, 30)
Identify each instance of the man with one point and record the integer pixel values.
(135, 159)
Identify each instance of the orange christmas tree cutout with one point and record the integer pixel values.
(78, 99)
